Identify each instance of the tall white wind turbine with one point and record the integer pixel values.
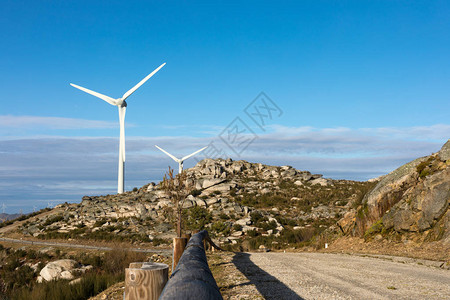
(180, 160)
(122, 105)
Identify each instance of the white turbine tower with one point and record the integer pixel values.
(122, 105)
(180, 160)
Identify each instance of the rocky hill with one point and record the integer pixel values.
(242, 204)
(247, 205)
(410, 203)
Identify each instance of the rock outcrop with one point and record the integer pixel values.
(414, 198)
(230, 191)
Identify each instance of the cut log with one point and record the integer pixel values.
(145, 280)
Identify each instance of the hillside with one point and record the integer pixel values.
(242, 204)
(246, 206)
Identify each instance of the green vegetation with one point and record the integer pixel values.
(18, 279)
(52, 219)
(220, 227)
(197, 218)
(309, 195)
(428, 167)
(376, 228)
(196, 192)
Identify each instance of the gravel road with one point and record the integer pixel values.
(340, 276)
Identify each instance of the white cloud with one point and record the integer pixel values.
(34, 122)
(48, 168)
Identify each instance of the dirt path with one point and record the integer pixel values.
(340, 276)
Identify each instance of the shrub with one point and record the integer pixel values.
(268, 225)
(90, 285)
(220, 227)
(99, 223)
(158, 241)
(377, 227)
(257, 217)
(197, 218)
(53, 219)
(252, 233)
(196, 192)
(223, 216)
(237, 227)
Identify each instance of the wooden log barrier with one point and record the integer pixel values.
(192, 279)
(145, 280)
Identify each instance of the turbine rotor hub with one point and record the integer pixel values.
(121, 103)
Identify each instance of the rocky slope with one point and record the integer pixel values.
(412, 201)
(247, 205)
(234, 200)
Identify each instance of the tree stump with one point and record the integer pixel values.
(179, 243)
(145, 280)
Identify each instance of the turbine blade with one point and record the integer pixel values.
(168, 154)
(192, 154)
(122, 111)
(131, 91)
(101, 96)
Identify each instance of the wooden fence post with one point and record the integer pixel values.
(145, 280)
(179, 243)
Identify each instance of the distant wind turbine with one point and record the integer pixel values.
(122, 105)
(180, 160)
(3, 207)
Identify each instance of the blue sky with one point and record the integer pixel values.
(363, 87)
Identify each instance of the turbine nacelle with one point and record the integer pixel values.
(121, 103)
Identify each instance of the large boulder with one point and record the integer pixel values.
(422, 205)
(444, 153)
(413, 198)
(59, 269)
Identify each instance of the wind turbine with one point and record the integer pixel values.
(180, 160)
(3, 207)
(122, 105)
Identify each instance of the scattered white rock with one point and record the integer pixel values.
(212, 201)
(321, 181)
(265, 191)
(245, 221)
(75, 281)
(61, 269)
